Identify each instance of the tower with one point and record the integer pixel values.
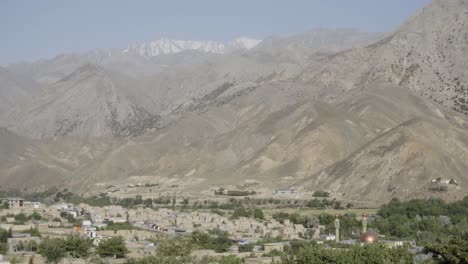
(337, 228)
(364, 223)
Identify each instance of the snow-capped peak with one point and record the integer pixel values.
(170, 46)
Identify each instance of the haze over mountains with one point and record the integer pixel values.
(368, 116)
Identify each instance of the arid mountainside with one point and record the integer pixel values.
(425, 142)
(96, 94)
(427, 55)
(366, 124)
(88, 102)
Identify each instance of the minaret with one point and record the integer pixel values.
(364, 223)
(337, 228)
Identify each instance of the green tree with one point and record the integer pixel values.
(3, 248)
(4, 205)
(454, 251)
(321, 194)
(175, 247)
(21, 218)
(230, 260)
(34, 232)
(240, 212)
(52, 250)
(120, 226)
(369, 254)
(246, 248)
(157, 259)
(3, 235)
(258, 214)
(77, 247)
(216, 240)
(112, 247)
(35, 216)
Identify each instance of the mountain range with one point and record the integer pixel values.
(170, 46)
(366, 116)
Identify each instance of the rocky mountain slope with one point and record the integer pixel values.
(366, 124)
(426, 55)
(115, 98)
(88, 102)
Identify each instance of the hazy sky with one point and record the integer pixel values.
(40, 29)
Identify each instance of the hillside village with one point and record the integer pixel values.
(142, 228)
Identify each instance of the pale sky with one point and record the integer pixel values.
(32, 29)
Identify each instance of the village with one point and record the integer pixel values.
(141, 228)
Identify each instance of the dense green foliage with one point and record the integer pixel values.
(454, 251)
(4, 235)
(120, 226)
(175, 247)
(246, 247)
(113, 247)
(375, 253)
(35, 216)
(321, 194)
(69, 197)
(294, 218)
(21, 218)
(433, 207)
(234, 192)
(77, 247)
(74, 246)
(348, 224)
(131, 202)
(52, 249)
(426, 221)
(252, 213)
(34, 232)
(215, 240)
(157, 259)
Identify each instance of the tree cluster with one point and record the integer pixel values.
(215, 240)
(55, 249)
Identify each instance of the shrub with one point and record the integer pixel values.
(321, 194)
(246, 248)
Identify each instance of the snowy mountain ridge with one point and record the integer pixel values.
(172, 46)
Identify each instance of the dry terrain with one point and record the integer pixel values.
(365, 116)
